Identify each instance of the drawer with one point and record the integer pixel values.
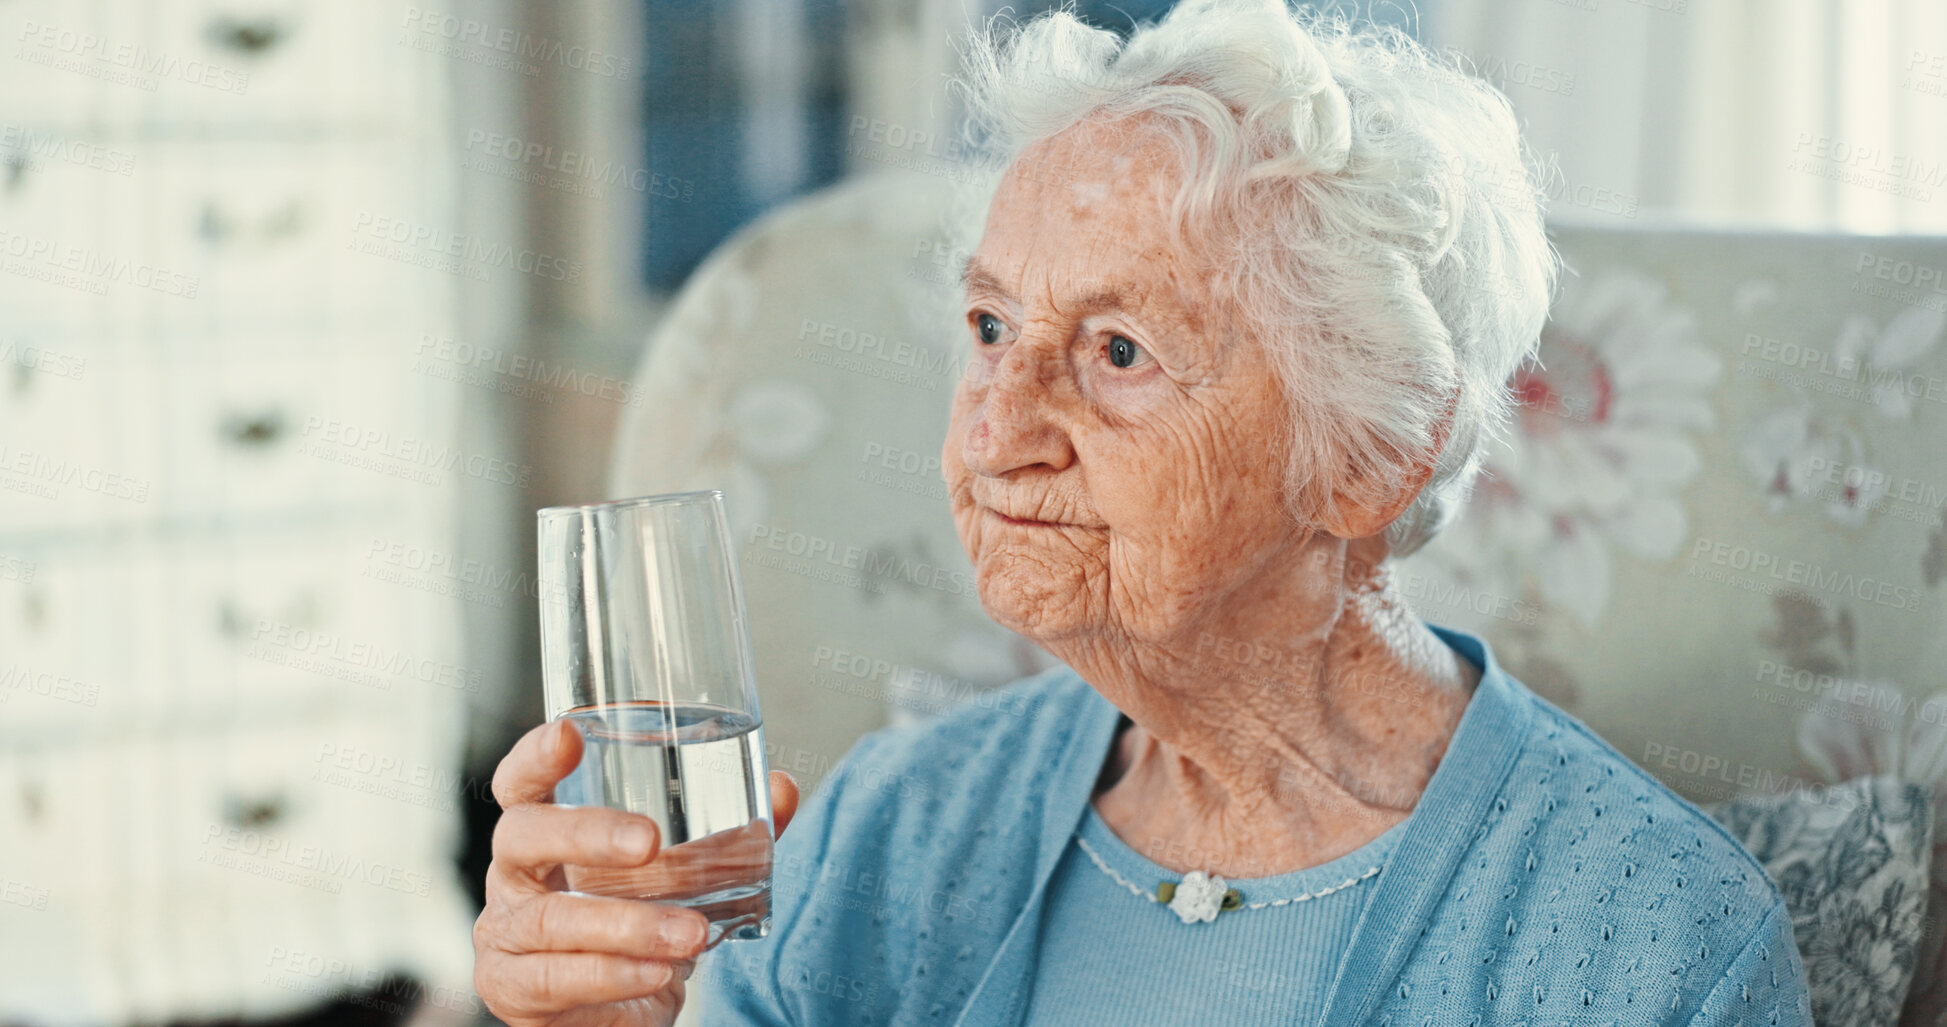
(67, 663)
(223, 65)
(75, 452)
(237, 238)
(274, 624)
(60, 834)
(264, 628)
(275, 802)
(275, 627)
(338, 64)
(281, 239)
(97, 433)
(58, 265)
(231, 831)
(214, 423)
(245, 437)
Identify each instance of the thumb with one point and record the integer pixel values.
(784, 800)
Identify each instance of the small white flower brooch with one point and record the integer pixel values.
(1198, 897)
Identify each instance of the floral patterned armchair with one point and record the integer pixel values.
(1715, 534)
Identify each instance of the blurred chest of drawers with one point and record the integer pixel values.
(226, 469)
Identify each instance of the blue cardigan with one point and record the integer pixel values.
(1541, 879)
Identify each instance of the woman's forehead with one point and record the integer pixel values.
(1095, 212)
(1082, 218)
(1095, 160)
(1085, 264)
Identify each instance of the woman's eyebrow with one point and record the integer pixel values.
(1109, 297)
(976, 276)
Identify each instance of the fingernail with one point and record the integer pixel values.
(551, 740)
(634, 839)
(683, 931)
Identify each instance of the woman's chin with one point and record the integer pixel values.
(1032, 608)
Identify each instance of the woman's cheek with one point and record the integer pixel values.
(1133, 399)
(978, 370)
(1151, 417)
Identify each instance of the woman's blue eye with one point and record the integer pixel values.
(1122, 352)
(989, 328)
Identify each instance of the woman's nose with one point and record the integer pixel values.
(1016, 424)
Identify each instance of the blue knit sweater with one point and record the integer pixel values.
(1541, 879)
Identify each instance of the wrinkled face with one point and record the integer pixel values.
(1112, 459)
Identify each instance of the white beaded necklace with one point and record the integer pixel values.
(1201, 896)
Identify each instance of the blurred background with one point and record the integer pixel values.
(306, 306)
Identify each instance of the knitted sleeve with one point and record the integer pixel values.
(1765, 984)
(739, 982)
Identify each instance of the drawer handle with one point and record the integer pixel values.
(254, 429)
(247, 36)
(302, 611)
(250, 813)
(217, 226)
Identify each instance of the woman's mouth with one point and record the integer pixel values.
(1022, 521)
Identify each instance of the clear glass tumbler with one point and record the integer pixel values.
(645, 649)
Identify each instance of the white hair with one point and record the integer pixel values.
(1364, 206)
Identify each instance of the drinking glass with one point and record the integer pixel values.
(645, 650)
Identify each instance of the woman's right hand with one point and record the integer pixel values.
(544, 956)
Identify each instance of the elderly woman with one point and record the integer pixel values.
(1240, 321)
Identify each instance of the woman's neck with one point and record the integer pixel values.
(1262, 755)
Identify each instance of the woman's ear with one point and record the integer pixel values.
(1364, 508)
(1366, 511)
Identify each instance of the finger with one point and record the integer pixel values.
(565, 922)
(540, 984)
(660, 1008)
(784, 800)
(538, 760)
(533, 839)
